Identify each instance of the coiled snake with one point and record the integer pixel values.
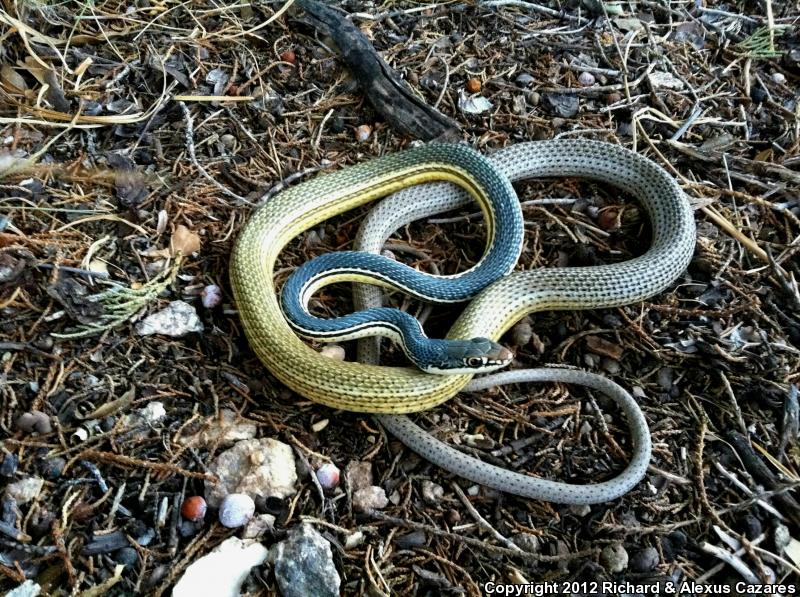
(393, 390)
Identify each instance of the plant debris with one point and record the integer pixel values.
(135, 142)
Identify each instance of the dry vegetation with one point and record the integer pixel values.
(133, 133)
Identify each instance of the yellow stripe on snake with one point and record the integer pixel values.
(378, 389)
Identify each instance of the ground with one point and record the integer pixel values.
(116, 158)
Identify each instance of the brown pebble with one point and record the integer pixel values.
(473, 85)
(194, 508)
(613, 98)
(288, 56)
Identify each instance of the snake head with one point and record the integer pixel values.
(478, 355)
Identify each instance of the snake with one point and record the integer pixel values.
(491, 313)
(413, 204)
(505, 228)
(401, 390)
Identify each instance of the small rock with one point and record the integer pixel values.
(561, 104)
(665, 80)
(259, 526)
(359, 474)
(53, 467)
(221, 572)
(411, 540)
(524, 80)
(320, 425)
(187, 528)
(778, 78)
(614, 558)
(194, 508)
(473, 490)
(328, 476)
(370, 498)
(333, 351)
(256, 467)
(211, 296)
(521, 333)
(353, 540)
(586, 79)
(34, 421)
(25, 490)
(178, 319)
(533, 98)
(613, 98)
(645, 560)
(26, 589)
(664, 377)
(229, 142)
(581, 511)
(473, 104)
(363, 133)
(236, 510)
(288, 56)
(527, 541)
(432, 493)
(152, 413)
(782, 537)
(127, 556)
(303, 565)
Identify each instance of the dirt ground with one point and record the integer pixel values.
(118, 164)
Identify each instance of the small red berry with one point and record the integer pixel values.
(194, 508)
(473, 85)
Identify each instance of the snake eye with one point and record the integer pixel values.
(476, 361)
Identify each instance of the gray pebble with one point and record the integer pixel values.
(524, 80)
(645, 560)
(34, 421)
(236, 510)
(303, 564)
(127, 556)
(665, 375)
(614, 558)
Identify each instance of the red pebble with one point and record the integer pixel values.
(194, 508)
(288, 56)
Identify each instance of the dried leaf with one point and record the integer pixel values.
(604, 347)
(184, 241)
(11, 79)
(114, 406)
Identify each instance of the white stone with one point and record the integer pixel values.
(258, 467)
(177, 319)
(221, 572)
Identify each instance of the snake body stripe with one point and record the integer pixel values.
(369, 388)
(504, 244)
